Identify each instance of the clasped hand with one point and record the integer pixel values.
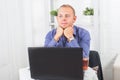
(67, 32)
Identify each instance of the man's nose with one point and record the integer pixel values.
(64, 18)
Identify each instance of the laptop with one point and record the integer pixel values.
(50, 63)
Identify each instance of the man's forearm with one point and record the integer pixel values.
(51, 43)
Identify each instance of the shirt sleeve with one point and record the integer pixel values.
(49, 40)
(85, 44)
(73, 43)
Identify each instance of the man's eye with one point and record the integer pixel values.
(67, 16)
(59, 16)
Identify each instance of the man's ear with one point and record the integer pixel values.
(74, 18)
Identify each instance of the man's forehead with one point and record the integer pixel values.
(65, 9)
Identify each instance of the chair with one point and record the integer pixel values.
(95, 63)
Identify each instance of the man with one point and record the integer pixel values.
(67, 34)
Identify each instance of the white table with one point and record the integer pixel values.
(116, 68)
(24, 74)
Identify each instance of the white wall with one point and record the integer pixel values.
(109, 39)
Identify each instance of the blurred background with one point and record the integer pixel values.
(24, 23)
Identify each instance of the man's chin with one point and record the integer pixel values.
(63, 27)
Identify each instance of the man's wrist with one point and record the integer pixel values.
(56, 38)
(70, 39)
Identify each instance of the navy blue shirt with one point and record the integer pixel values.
(81, 39)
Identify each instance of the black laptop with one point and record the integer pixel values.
(55, 63)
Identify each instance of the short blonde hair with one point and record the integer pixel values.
(67, 5)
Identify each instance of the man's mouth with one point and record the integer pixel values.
(64, 23)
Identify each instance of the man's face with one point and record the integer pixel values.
(65, 17)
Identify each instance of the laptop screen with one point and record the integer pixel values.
(55, 63)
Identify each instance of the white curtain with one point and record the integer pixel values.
(15, 36)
